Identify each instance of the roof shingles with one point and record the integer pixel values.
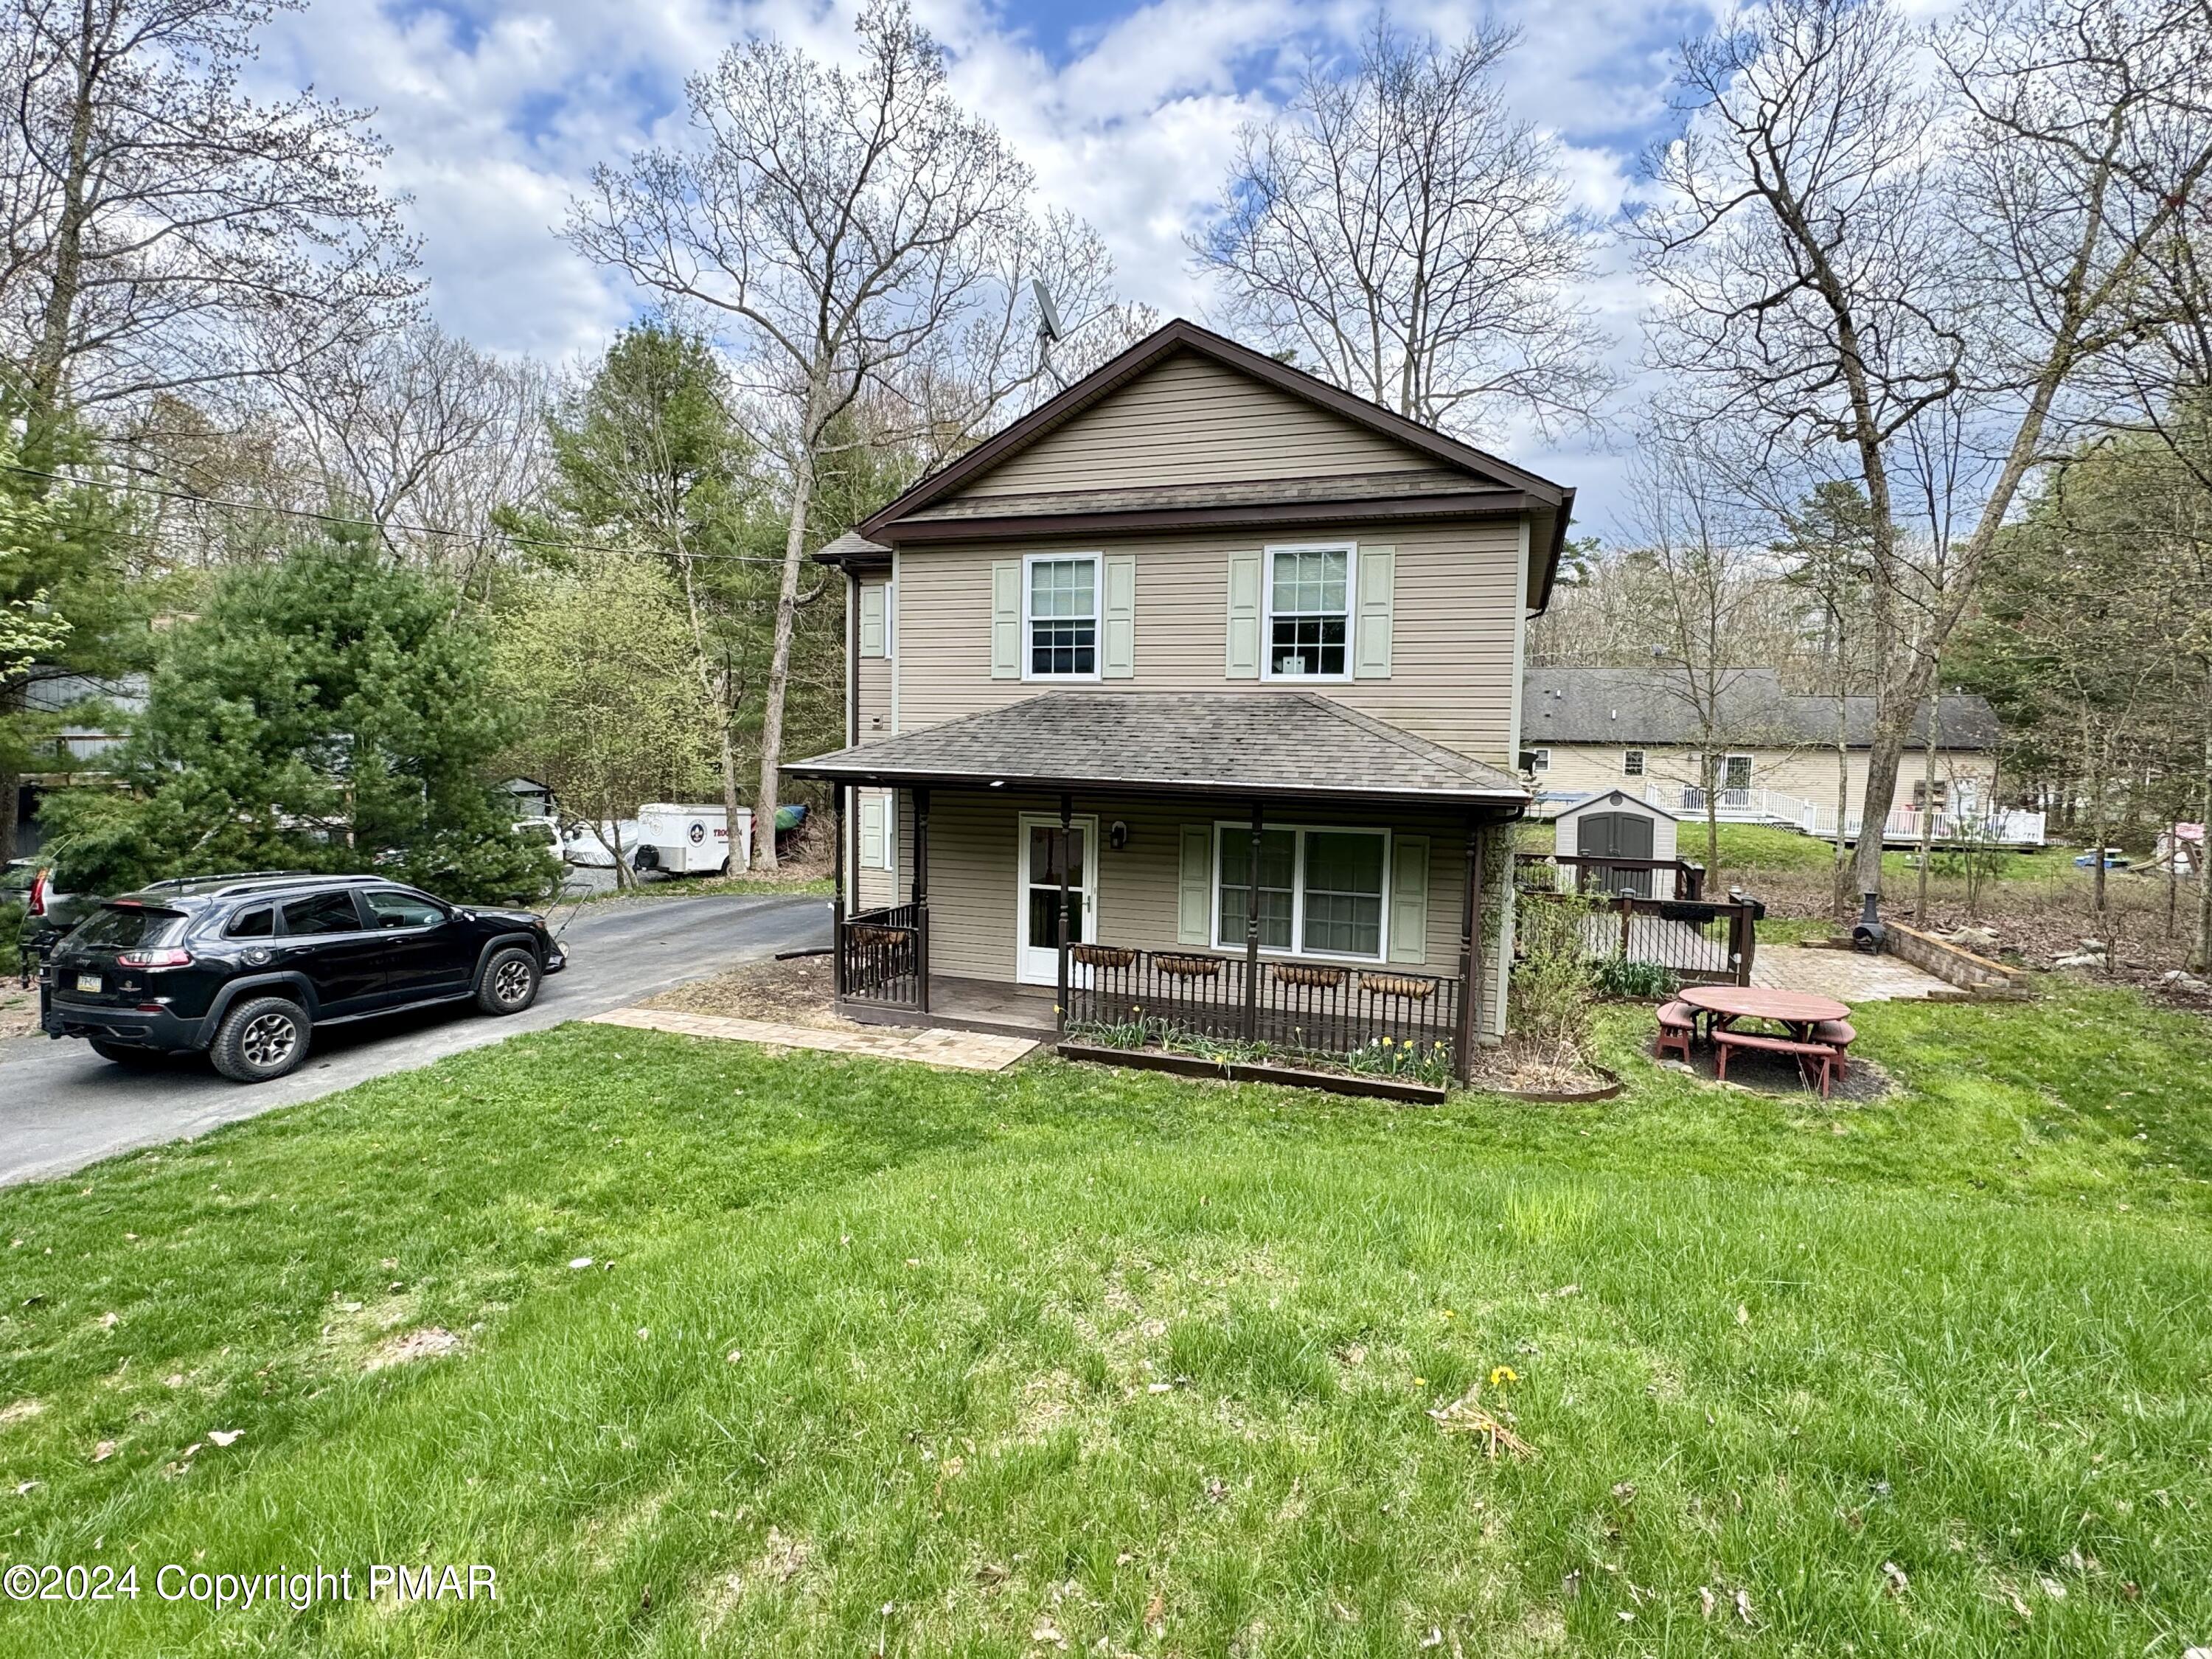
(1287, 743)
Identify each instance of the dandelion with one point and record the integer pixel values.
(1502, 1374)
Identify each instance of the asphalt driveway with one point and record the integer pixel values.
(63, 1106)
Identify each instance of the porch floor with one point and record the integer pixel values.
(971, 1004)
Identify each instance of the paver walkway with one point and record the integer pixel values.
(1846, 975)
(957, 1051)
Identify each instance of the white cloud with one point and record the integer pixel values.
(496, 111)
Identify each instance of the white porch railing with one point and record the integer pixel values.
(2009, 828)
(1687, 800)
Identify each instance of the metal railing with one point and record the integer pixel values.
(1701, 942)
(1319, 1008)
(883, 956)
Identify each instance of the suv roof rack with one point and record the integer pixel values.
(253, 881)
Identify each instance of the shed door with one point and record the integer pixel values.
(1616, 835)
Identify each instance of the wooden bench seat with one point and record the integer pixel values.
(1678, 1023)
(1810, 1056)
(1839, 1035)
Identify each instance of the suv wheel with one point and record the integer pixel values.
(123, 1053)
(261, 1039)
(509, 983)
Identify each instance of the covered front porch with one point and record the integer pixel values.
(1123, 904)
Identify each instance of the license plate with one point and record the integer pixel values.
(88, 982)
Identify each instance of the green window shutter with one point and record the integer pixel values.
(871, 619)
(871, 830)
(1243, 662)
(1006, 619)
(1195, 891)
(1378, 582)
(1120, 662)
(1409, 898)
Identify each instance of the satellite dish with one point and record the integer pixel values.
(1047, 312)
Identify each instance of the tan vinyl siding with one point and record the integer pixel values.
(878, 888)
(1452, 662)
(1188, 420)
(975, 869)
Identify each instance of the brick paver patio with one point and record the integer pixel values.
(958, 1051)
(1846, 975)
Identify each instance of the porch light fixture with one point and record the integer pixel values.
(1117, 835)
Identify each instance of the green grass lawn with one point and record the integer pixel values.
(871, 1358)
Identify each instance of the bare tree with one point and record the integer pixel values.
(1847, 252)
(425, 434)
(155, 217)
(857, 230)
(1704, 599)
(1410, 240)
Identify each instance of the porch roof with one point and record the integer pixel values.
(1231, 744)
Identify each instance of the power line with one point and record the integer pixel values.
(195, 498)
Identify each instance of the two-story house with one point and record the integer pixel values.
(1195, 690)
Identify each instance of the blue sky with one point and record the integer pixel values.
(496, 109)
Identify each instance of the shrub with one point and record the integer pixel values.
(1554, 980)
(1648, 982)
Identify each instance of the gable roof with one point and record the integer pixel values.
(1214, 742)
(1637, 706)
(1492, 484)
(1613, 797)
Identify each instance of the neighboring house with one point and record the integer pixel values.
(1586, 730)
(74, 752)
(1198, 613)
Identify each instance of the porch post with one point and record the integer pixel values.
(1470, 952)
(921, 894)
(837, 882)
(1252, 935)
(1066, 904)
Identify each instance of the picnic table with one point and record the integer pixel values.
(1799, 1010)
(1800, 1013)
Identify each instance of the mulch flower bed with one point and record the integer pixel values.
(801, 992)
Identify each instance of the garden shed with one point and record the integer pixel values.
(1614, 825)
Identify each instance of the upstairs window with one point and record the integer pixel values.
(1631, 763)
(1309, 612)
(1062, 599)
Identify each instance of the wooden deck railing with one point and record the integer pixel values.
(883, 957)
(1566, 872)
(1322, 1008)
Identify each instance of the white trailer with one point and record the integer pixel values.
(692, 840)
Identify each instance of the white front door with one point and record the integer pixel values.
(1036, 957)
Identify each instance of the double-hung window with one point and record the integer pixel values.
(1060, 602)
(1631, 763)
(1309, 612)
(1321, 892)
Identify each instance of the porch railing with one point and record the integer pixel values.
(1322, 1009)
(1558, 872)
(1702, 942)
(883, 956)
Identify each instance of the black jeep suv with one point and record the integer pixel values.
(245, 967)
